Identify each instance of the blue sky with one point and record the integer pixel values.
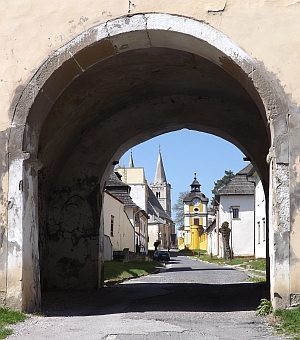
(185, 152)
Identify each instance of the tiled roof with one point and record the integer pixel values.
(123, 197)
(246, 170)
(239, 184)
(114, 180)
(119, 190)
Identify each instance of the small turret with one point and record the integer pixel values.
(195, 186)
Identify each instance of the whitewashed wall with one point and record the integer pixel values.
(138, 194)
(242, 229)
(153, 235)
(212, 242)
(260, 220)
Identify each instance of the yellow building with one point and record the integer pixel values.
(195, 218)
(180, 239)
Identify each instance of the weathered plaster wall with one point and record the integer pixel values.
(70, 237)
(295, 209)
(265, 29)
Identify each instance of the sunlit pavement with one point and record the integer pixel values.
(188, 299)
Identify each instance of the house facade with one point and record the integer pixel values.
(260, 218)
(235, 205)
(125, 223)
(242, 204)
(117, 225)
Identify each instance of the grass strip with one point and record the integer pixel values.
(288, 321)
(257, 264)
(9, 317)
(257, 279)
(246, 262)
(115, 271)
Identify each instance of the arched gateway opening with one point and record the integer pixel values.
(116, 85)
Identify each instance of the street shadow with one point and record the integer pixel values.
(172, 261)
(189, 269)
(144, 297)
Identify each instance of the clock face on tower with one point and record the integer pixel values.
(196, 201)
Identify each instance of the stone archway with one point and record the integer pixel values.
(108, 89)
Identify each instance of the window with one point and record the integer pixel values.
(196, 221)
(112, 225)
(235, 213)
(264, 229)
(258, 232)
(157, 194)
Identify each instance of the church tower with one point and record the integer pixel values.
(195, 218)
(160, 187)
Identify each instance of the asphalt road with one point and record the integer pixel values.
(188, 299)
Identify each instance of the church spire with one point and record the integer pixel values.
(131, 164)
(160, 175)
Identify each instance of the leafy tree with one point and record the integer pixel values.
(178, 210)
(220, 183)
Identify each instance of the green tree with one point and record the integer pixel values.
(178, 210)
(220, 183)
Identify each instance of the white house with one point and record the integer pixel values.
(242, 204)
(235, 206)
(260, 218)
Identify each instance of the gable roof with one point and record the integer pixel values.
(239, 184)
(118, 189)
(246, 170)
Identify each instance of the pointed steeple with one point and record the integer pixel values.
(195, 186)
(131, 164)
(160, 175)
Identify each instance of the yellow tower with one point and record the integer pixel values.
(195, 218)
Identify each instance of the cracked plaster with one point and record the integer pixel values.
(145, 31)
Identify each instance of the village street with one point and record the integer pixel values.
(188, 299)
